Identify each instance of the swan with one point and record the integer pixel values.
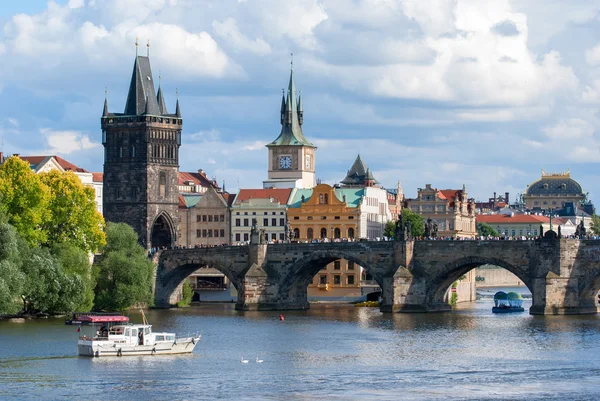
(259, 360)
(242, 360)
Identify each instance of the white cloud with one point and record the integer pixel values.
(591, 93)
(66, 142)
(257, 145)
(76, 3)
(592, 56)
(228, 30)
(572, 128)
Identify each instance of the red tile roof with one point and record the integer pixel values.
(448, 193)
(279, 194)
(66, 165)
(98, 177)
(181, 202)
(229, 198)
(196, 178)
(507, 219)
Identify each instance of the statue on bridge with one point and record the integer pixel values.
(289, 233)
(580, 231)
(431, 228)
(403, 231)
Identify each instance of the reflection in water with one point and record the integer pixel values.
(330, 351)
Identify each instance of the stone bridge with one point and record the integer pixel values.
(563, 275)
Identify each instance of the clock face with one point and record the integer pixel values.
(285, 162)
(307, 162)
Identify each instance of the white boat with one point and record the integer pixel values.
(134, 339)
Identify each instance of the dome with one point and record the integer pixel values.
(500, 295)
(514, 296)
(554, 185)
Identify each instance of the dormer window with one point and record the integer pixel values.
(545, 186)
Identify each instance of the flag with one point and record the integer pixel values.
(78, 329)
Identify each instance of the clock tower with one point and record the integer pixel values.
(291, 155)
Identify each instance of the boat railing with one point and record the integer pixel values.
(195, 334)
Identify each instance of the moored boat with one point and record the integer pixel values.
(134, 339)
(507, 303)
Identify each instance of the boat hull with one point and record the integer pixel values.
(507, 310)
(103, 348)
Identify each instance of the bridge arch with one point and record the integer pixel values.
(457, 268)
(162, 231)
(589, 287)
(172, 271)
(300, 273)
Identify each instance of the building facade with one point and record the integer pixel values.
(552, 191)
(326, 213)
(291, 157)
(518, 225)
(451, 209)
(267, 206)
(141, 157)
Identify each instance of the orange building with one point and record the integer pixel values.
(325, 213)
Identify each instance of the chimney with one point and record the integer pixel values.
(506, 197)
(201, 172)
(16, 155)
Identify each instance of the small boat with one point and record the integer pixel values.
(93, 318)
(507, 303)
(133, 339)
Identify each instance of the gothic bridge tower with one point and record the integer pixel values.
(141, 161)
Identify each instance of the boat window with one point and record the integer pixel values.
(146, 330)
(160, 338)
(170, 338)
(127, 332)
(133, 332)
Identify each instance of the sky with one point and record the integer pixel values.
(441, 92)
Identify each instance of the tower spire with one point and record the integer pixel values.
(282, 105)
(148, 48)
(105, 111)
(162, 106)
(177, 111)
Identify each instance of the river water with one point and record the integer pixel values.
(331, 352)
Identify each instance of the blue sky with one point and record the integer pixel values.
(479, 93)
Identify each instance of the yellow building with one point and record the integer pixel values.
(324, 213)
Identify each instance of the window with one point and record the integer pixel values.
(222, 218)
(204, 217)
(245, 222)
(350, 279)
(237, 222)
(322, 279)
(326, 199)
(253, 213)
(210, 218)
(282, 222)
(266, 213)
(514, 233)
(337, 233)
(336, 218)
(222, 234)
(309, 233)
(296, 218)
(133, 151)
(245, 236)
(216, 218)
(350, 217)
(351, 232)
(204, 233)
(296, 233)
(323, 232)
(198, 233)
(274, 213)
(337, 279)
(274, 222)
(350, 265)
(198, 218)
(237, 213)
(282, 236)
(265, 222)
(337, 265)
(274, 237)
(309, 218)
(245, 213)
(210, 232)
(321, 199)
(162, 184)
(323, 217)
(238, 237)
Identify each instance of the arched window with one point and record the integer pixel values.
(326, 199)
(297, 233)
(309, 233)
(351, 233)
(162, 184)
(321, 199)
(337, 233)
(323, 232)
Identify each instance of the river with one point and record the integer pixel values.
(331, 352)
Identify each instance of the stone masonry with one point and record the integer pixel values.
(563, 275)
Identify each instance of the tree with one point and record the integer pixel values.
(390, 229)
(595, 224)
(73, 216)
(47, 288)
(187, 293)
(486, 230)
(24, 200)
(124, 272)
(11, 276)
(417, 223)
(75, 262)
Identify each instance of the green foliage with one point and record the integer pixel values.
(75, 263)
(454, 299)
(390, 229)
(124, 273)
(486, 230)
(595, 224)
(47, 288)
(11, 276)
(24, 200)
(187, 292)
(417, 223)
(73, 216)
